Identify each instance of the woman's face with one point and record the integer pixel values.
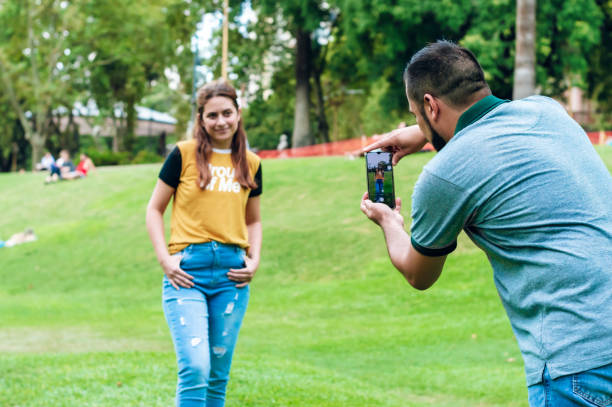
(220, 119)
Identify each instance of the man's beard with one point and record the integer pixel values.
(436, 140)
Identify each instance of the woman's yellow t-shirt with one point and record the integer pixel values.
(215, 213)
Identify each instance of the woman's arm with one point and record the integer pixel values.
(253, 223)
(155, 226)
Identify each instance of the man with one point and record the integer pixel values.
(523, 181)
(61, 167)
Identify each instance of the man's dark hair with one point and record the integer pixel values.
(445, 70)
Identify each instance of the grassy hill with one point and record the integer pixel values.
(330, 323)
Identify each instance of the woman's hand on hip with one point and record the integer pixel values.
(176, 276)
(245, 274)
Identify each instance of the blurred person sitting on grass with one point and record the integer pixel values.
(523, 181)
(215, 243)
(62, 166)
(19, 238)
(65, 170)
(84, 166)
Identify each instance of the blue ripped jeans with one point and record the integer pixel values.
(592, 388)
(379, 190)
(204, 322)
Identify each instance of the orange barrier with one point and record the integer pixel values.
(353, 147)
(599, 137)
(350, 147)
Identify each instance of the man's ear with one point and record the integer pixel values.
(431, 107)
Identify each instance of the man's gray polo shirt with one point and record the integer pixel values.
(524, 182)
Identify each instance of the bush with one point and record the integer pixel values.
(108, 157)
(145, 157)
(88, 142)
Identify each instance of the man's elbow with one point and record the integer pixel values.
(420, 278)
(422, 272)
(417, 283)
(412, 276)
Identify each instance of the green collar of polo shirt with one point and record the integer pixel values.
(477, 110)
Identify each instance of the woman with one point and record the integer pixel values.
(215, 242)
(380, 179)
(85, 165)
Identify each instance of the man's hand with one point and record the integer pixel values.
(380, 213)
(400, 142)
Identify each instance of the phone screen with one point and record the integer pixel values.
(379, 173)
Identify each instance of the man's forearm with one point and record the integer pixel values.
(398, 243)
(419, 270)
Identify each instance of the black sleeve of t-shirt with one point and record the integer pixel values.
(171, 170)
(257, 191)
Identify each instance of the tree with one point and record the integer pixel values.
(357, 71)
(12, 141)
(261, 51)
(599, 80)
(130, 45)
(301, 19)
(302, 133)
(524, 66)
(566, 34)
(36, 63)
(375, 41)
(56, 52)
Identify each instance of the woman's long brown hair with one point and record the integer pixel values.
(203, 141)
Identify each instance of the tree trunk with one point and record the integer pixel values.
(37, 141)
(116, 133)
(70, 135)
(130, 125)
(524, 59)
(14, 153)
(323, 126)
(302, 134)
(161, 146)
(116, 141)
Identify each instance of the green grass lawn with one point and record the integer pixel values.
(330, 323)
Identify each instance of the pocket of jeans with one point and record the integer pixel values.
(594, 386)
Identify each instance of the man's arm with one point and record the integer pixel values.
(400, 142)
(419, 270)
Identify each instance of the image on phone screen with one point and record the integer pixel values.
(379, 173)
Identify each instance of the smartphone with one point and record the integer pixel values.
(379, 172)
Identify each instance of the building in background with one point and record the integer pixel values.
(87, 120)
